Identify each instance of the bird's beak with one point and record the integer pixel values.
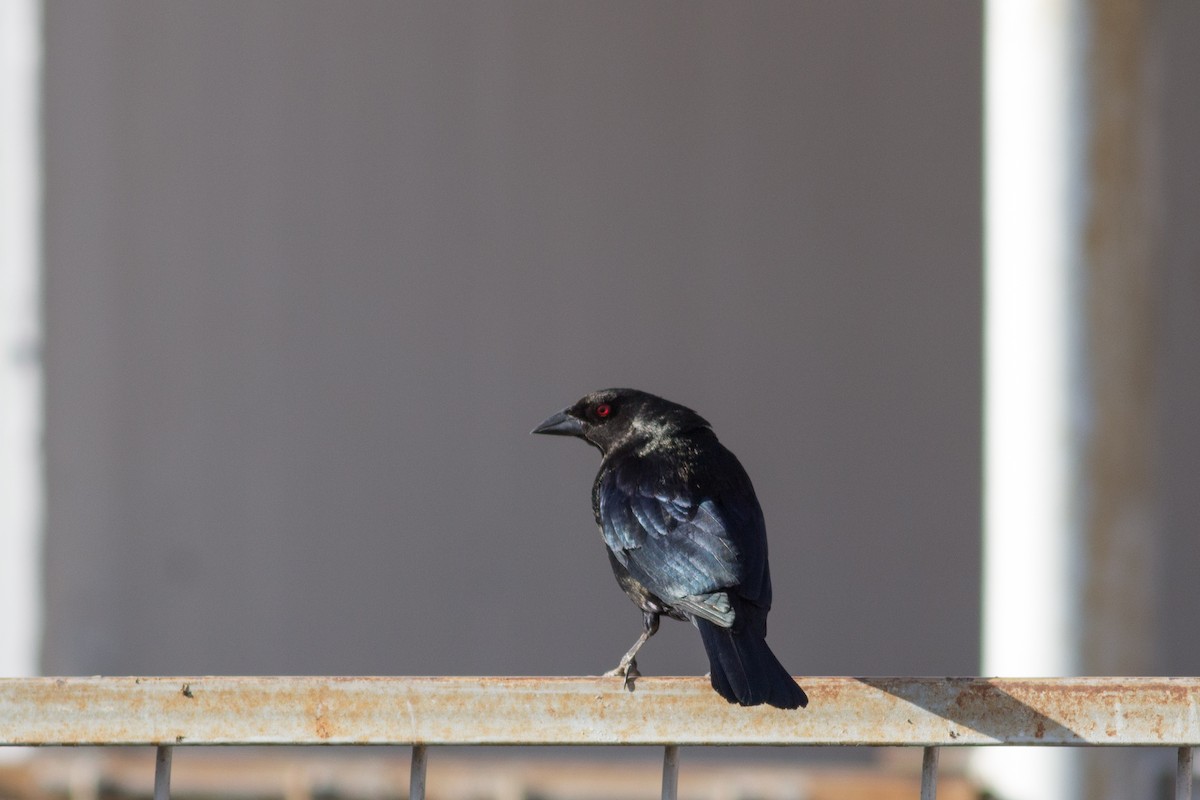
(561, 424)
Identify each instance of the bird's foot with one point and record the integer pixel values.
(628, 671)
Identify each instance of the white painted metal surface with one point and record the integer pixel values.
(592, 711)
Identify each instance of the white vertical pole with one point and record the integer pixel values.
(1071, 544)
(20, 320)
(1030, 614)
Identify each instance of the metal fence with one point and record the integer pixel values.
(428, 712)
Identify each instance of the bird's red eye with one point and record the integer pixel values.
(603, 410)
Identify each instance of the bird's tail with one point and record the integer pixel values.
(745, 671)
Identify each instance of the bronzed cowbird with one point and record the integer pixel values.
(685, 536)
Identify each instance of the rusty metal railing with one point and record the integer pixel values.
(428, 712)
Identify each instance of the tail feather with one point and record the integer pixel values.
(743, 669)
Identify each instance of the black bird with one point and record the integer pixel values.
(685, 536)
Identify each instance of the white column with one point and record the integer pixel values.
(20, 367)
(1071, 545)
(1031, 536)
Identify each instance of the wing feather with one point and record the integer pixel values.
(679, 544)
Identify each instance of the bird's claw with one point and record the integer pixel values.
(629, 673)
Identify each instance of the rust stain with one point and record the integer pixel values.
(323, 727)
(975, 694)
(324, 730)
(1040, 731)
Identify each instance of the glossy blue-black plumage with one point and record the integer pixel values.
(682, 535)
(685, 533)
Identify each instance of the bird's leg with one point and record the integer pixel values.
(627, 669)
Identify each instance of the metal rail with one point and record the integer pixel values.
(424, 712)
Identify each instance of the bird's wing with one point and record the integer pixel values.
(679, 546)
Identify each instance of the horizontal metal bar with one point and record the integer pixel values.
(589, 711)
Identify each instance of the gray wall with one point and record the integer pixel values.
(315, 269)
(1179, 332)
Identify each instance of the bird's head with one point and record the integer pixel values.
(610, 419)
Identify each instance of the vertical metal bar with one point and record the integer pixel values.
(416, 776)
(929, 765)
(670, 772)
(1183, 775)
(162, 773)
